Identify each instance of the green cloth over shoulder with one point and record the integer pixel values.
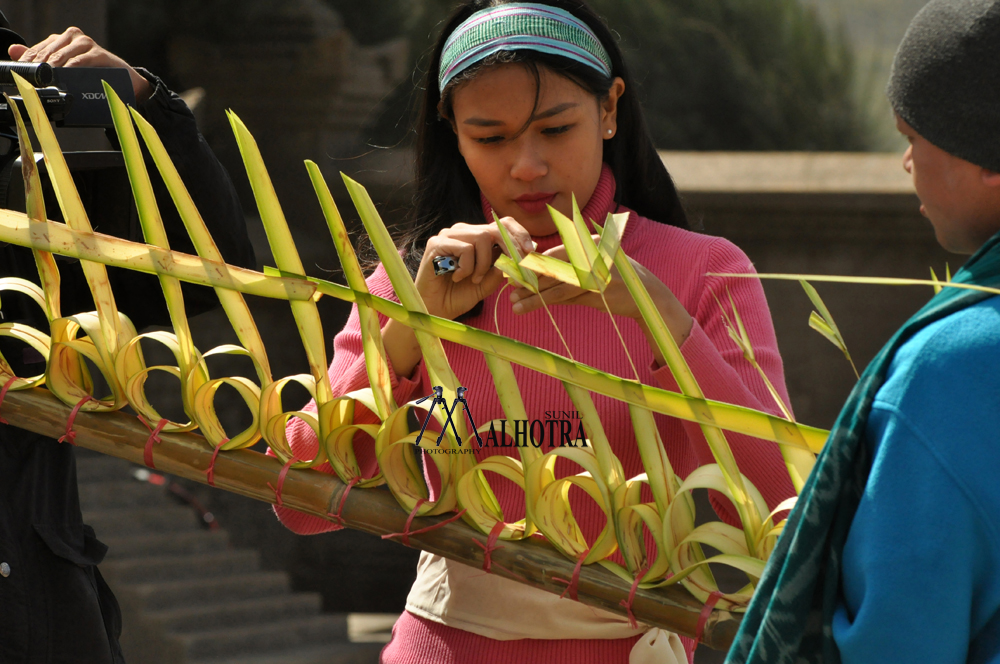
(790, 616)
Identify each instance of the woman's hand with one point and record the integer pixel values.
(73, 48)
(449, 296)
(475, 248)
(619, 300)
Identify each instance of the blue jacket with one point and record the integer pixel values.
(921, 568)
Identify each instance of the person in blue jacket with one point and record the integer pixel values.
(893, 551)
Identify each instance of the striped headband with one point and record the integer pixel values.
(520, 26)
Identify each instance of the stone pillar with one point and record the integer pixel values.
(305, 89)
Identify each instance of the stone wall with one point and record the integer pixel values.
(37, 19)
(844, 214)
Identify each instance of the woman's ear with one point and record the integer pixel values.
(446, 117)
(609, 108)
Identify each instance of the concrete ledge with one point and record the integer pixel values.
(788, 172)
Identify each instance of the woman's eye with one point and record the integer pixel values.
(488, 140)
(555, 131)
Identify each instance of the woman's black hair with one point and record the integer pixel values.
(447, 193)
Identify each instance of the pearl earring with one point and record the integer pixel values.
(610, 131)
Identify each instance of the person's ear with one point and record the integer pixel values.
(609, 108)
(445, 117)
(991, 178)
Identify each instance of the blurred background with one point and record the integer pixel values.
(771, 116)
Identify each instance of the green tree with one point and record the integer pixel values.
(713, 74)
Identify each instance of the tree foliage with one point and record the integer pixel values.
(713, 74)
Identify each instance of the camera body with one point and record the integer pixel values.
(72, 96)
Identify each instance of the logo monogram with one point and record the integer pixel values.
(438, 396)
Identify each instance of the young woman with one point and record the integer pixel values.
(525, 105)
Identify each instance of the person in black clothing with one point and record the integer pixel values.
(54, 605)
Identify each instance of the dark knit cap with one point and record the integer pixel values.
(945, 79)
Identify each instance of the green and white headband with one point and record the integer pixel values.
(520, 26)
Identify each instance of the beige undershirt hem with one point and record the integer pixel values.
(469, 599)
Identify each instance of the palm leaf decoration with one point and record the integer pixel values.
(107, 339)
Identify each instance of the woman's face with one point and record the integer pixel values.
(558, 155)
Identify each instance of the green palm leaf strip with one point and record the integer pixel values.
(25, 333)
(838, 279)
(509, 264)
(514, 410)
(155, 234)
(285, 255)
(688, 386)
(938, 286)
(232, 301)
(435, 360)
(107, 331)
(798, 462)
(48, 271)
(58, 238)
(822, 321)
(375, 362)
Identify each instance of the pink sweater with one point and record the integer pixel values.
(680, 259)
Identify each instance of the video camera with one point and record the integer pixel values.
(73, 98)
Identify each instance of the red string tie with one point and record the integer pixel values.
(3, 394)
(210, 471)
(70, 435)
(281, 481)
(405, 535)
(154, 437)
(632, 622)
(490, 546)
(706, 611)
(338, 517)
(574, 580)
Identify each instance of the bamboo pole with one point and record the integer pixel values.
(248, 473)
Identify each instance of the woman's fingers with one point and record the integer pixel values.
(463, 253)
(544, 283)
(559, 294)
(484, 258)
(491, 282)
(517, 233)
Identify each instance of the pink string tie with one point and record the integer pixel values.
(338, 516)
(405, 535)
(281, 481)
(154, 437)
(574, 581)
(632, 622)
(490, 546)
(3, 395)
(706, 611)
(70, 435)
(210, 471)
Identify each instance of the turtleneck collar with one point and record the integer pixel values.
(597, 208)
